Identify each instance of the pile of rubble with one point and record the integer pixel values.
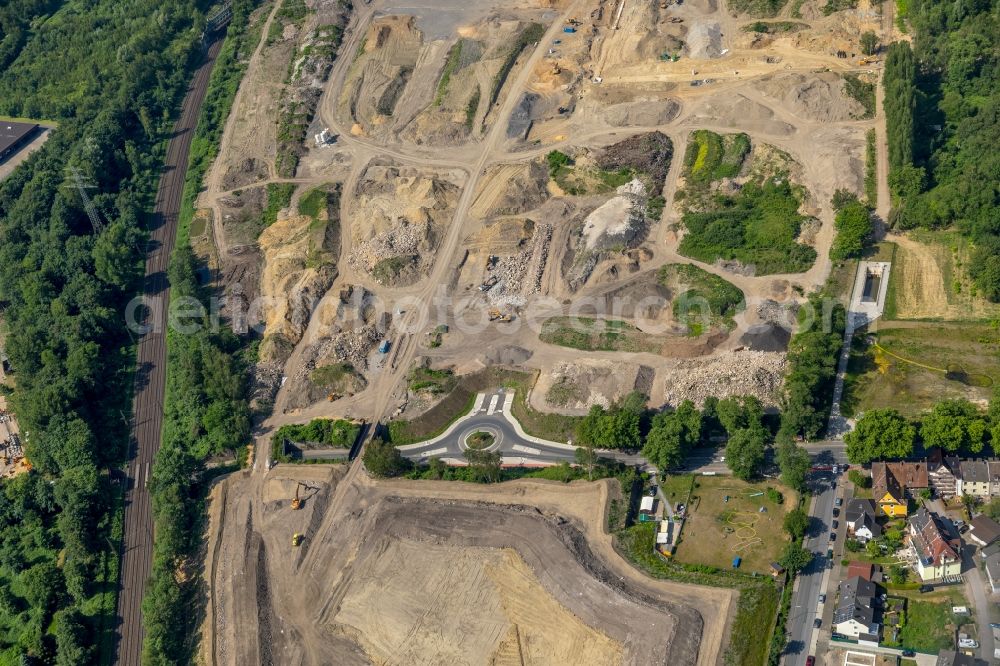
(783, 314)
(401, 241)
(755, 373)
(351, 346)
(516, 276)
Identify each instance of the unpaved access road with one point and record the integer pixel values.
(428, 572)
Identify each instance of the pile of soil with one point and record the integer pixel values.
(642, 112)
(646, 153)
(818, 97)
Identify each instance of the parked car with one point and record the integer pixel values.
(839, 501)
(926, 588)
(829, 553)
(835, 524)
(810, 661)
(833, 536)
(652, 491)
(909, 653)
(818, 622)
(995, 625)
(822, 598)
(836, 512)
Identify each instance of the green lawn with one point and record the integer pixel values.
(929, 626)
(718, 530)
(677, 487)
(913, 368)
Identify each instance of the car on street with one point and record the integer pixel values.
(810, 661)
(995, 625)
(818, 622)
(839, 501)
(835, 524)
(822, 598)
(833, 536)
(836, 512)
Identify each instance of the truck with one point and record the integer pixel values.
(384, 347)
(569, 29)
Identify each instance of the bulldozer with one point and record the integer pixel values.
(297, 539)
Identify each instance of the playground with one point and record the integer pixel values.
(725, 521)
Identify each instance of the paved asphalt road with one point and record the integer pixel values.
(151, 374)
(805, 600)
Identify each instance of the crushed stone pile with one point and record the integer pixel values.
(619, 221)
(704, 40)
(401, 241)
(755, 373)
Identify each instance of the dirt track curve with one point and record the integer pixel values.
(151, 375)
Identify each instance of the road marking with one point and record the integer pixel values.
(507, 402)
(479, 402)
(526, 449)
(435, 452)
(493, 405)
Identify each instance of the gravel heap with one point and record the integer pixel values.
(760, 374)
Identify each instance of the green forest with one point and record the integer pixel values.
(942, 99)
(112, 75)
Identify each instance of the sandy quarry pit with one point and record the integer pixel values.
(427, 572)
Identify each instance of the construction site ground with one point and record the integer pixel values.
(442, 187)
(432, 572)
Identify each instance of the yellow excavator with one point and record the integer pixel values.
(297, 501)
(297, 539)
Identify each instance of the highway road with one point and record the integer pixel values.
(805, 600)
(151, 375)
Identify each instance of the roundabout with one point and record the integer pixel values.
(481, 438)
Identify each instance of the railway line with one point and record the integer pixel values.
(151, 375)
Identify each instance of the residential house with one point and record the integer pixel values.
(994, 471)
(992, 566)
(865, 570)
(855, 612)
(936, 545)
(974, 478)
(893, 483)
(942, 473)
(956, 658)
(984, 530)
(860, 519)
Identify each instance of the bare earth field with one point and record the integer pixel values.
(418, 572)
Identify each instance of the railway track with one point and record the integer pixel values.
(151, 373)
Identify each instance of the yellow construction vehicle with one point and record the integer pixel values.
(496, 315)
(297, 540)
(297, 501)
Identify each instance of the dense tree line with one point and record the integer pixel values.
(206, 410)
(812, 360)
(16, 18)
(112, 75)
(943, 127)
(955, 425)
(854, 227)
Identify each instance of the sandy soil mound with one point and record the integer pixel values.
(508, 355)
(740, 112)
(397, 217)
(704, 40)
(299, 264)
(511, 189)
(813, 96)
(576, 387)
(642, 112)
(403, 619)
